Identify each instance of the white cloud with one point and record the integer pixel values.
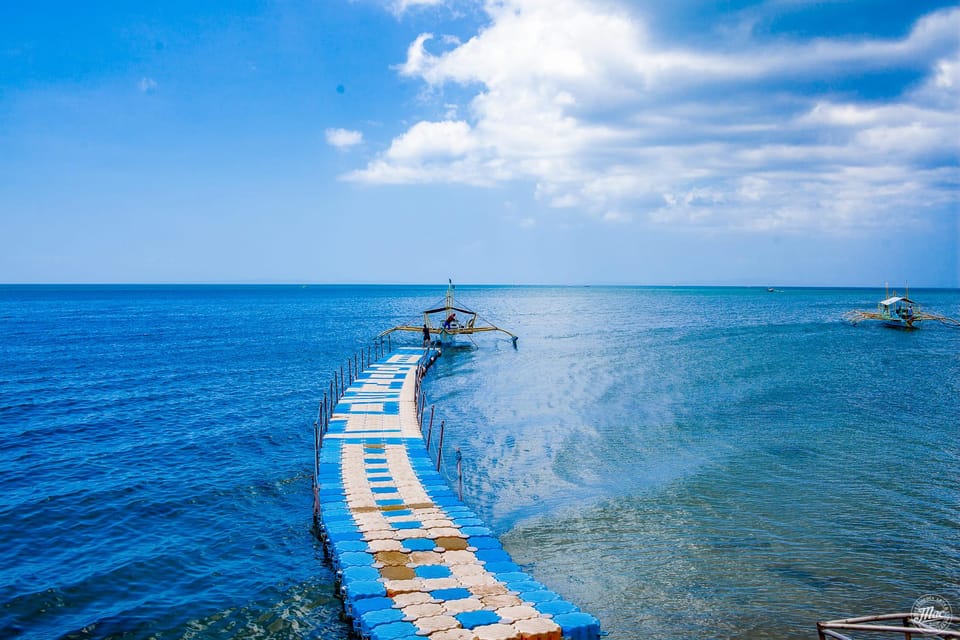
(433, 140)
(343, 138)
(948, 74)
(575, 97)
(147, 85)
(402, 6)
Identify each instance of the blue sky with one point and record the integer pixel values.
(772, 142)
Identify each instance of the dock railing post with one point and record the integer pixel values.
(432, 407)
(330, 403)
(321, 410)
(440, 445)
(430, 430)
(341, 383)
(316, 474)
(459, 458)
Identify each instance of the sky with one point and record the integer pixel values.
(766, 143)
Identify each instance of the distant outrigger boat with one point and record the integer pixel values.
(445, 328)
(899, 312)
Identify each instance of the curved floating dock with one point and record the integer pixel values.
(412, 561)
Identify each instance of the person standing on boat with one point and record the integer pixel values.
(426, 335)
(450, 320)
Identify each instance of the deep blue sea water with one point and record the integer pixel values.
(680, 462)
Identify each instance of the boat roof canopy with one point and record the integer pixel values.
(443, 309)
(894, 300)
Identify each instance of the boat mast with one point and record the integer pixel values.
(449, 303)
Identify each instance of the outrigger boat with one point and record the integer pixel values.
(899, 312)
(445, 327)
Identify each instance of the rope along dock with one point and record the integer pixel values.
(412, 560)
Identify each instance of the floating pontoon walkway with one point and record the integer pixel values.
(412, 561)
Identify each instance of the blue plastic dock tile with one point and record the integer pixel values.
(381, 616)
(492, 555)
(527, 586)
(394, 631)
(356, 559)
(360, 607)
(360, 573)
(503, 567)
(578, 626)
(467, 522)
(450, 594)
(345, 546)
(406, 524)
(359, 589)
(471, 619)
(539, 596)
(484, 542)
(419, 544)
(555, 607)
(433, 571)
(341, 536)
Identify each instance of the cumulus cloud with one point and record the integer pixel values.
(576, 97)
(343, 138)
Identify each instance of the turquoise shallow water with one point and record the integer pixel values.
(678, 462)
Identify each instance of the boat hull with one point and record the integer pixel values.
(903, 325)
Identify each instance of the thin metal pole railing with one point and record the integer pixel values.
(440, 446)
(459, 458)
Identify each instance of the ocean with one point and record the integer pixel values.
(679, 462)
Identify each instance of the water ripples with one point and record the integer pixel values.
(681, 463)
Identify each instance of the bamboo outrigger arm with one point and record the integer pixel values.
(908, 624)
(456, 331)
